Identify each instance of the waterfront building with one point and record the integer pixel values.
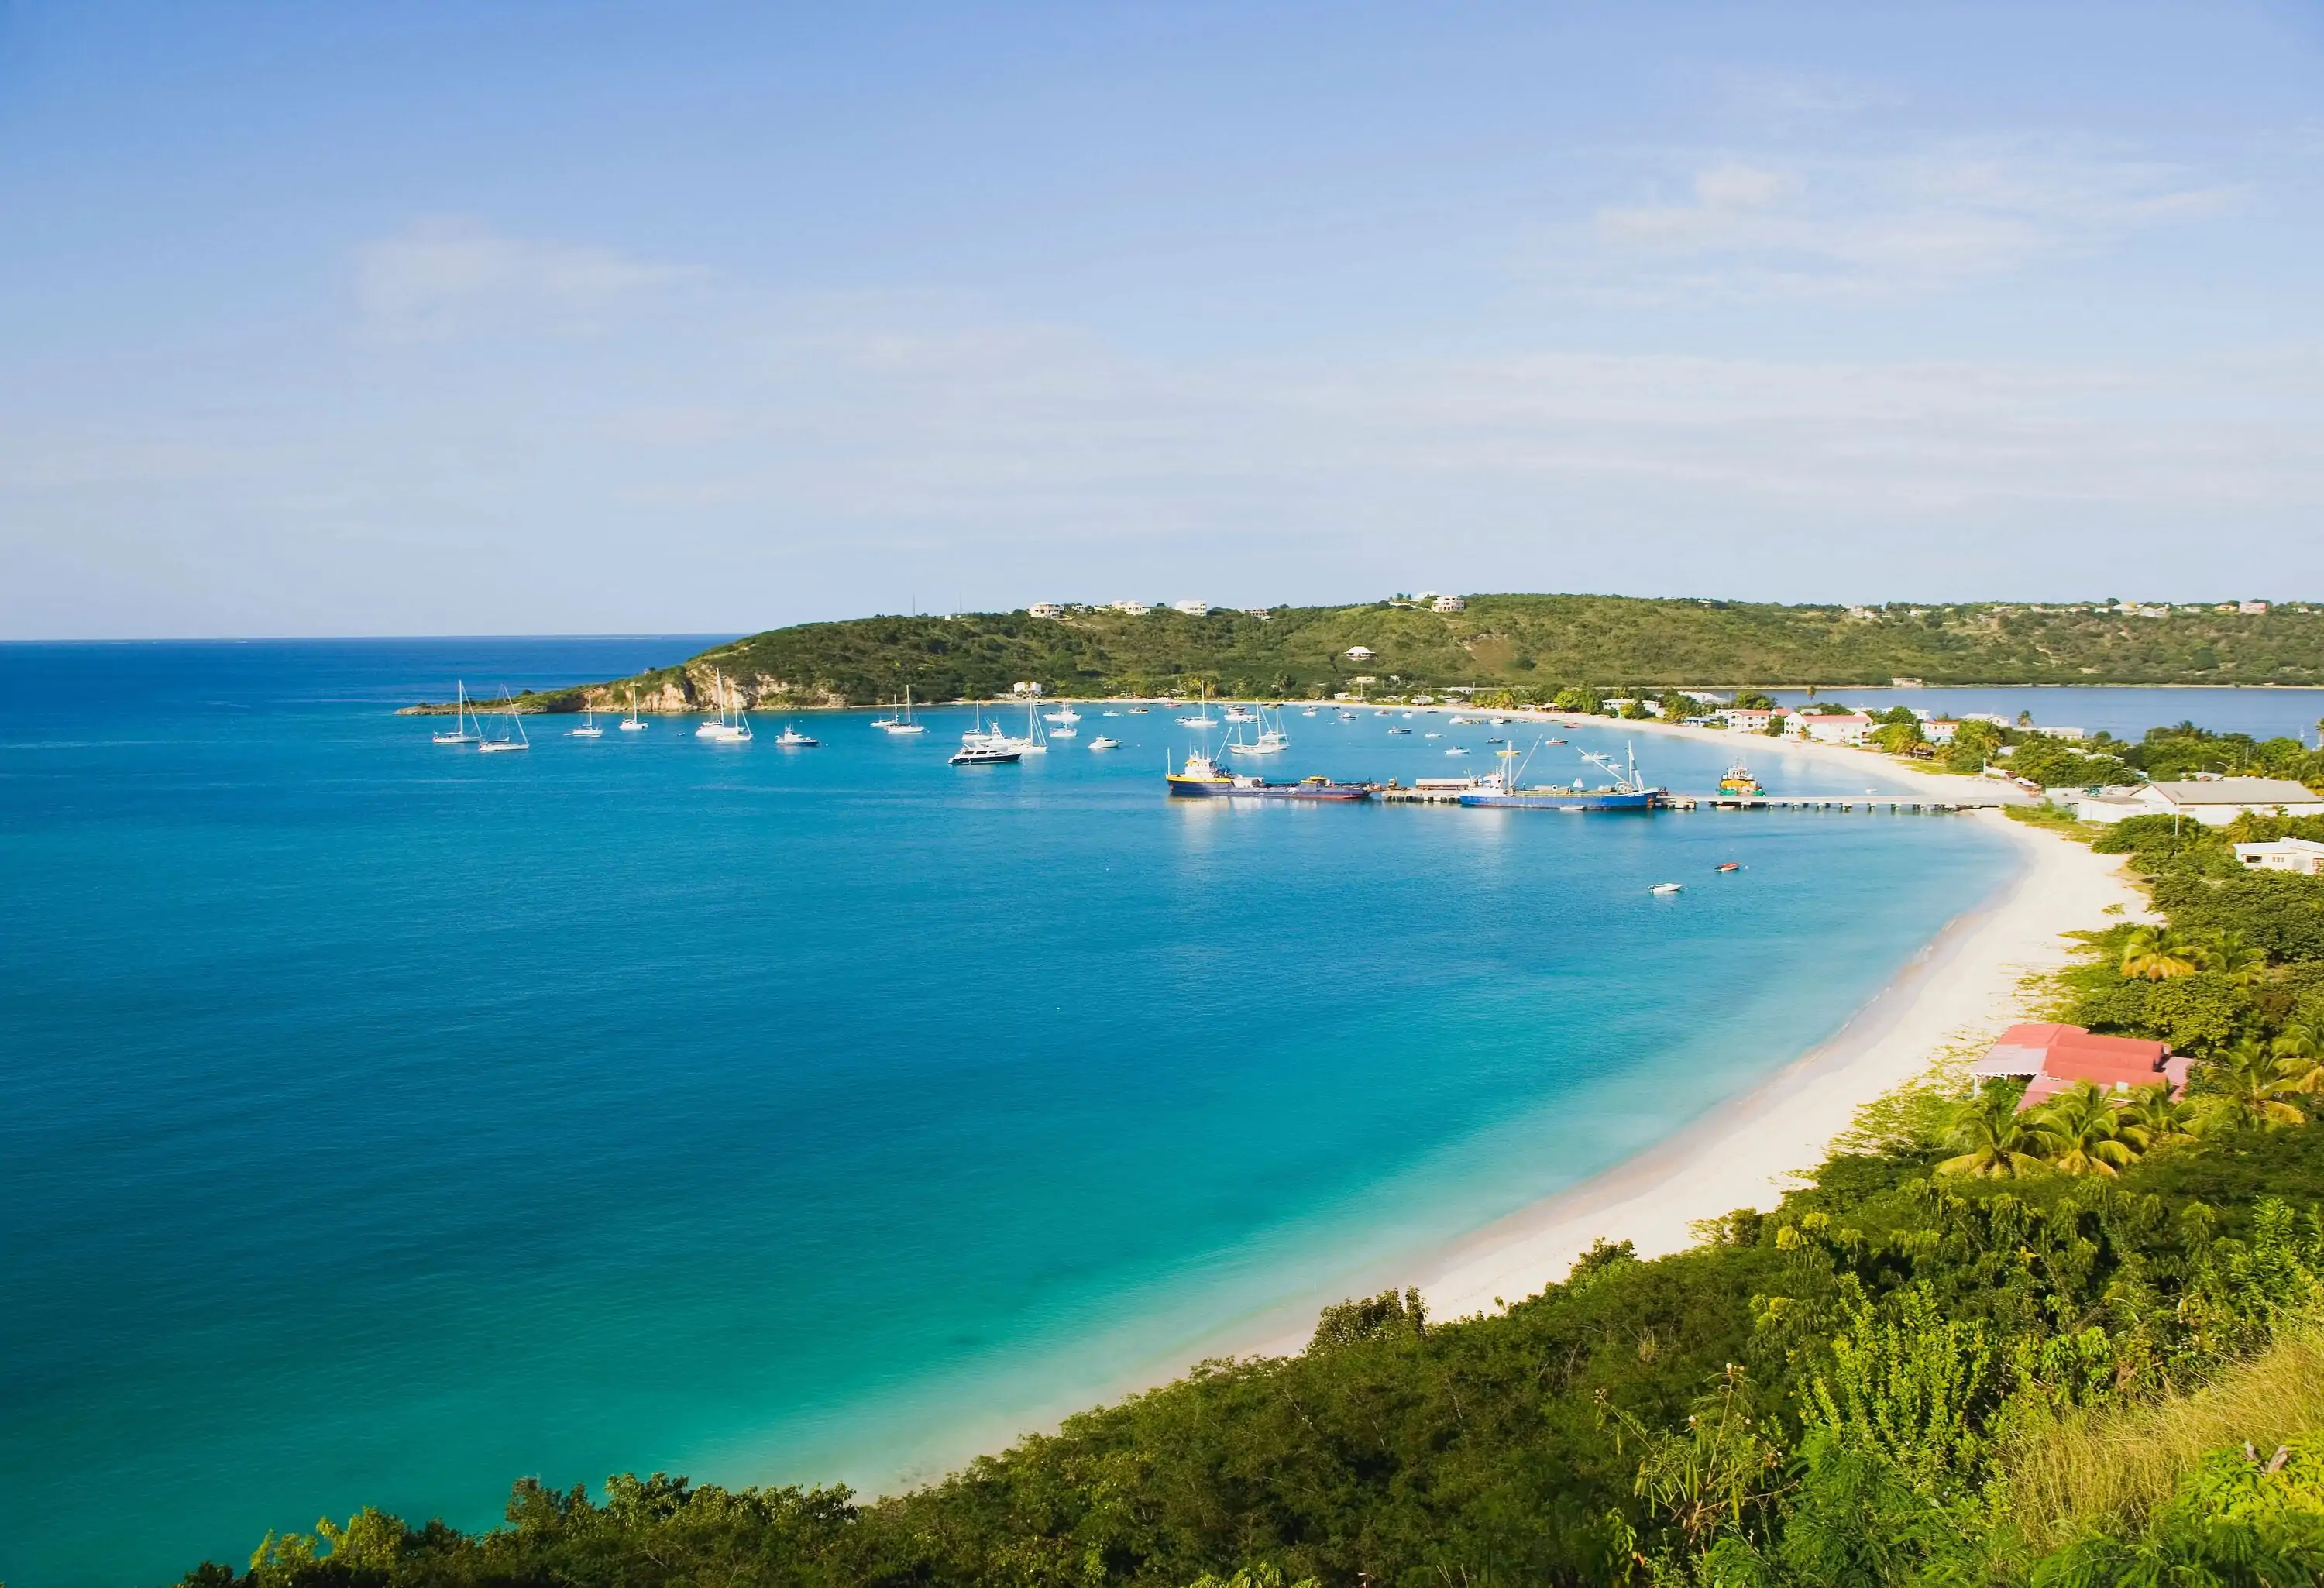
(1848, 727)
(2302, 856)
(2054, 1057)
(2213, 801)
(1938, 730)
(1751, 719)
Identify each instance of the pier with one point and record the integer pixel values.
(1870, 804)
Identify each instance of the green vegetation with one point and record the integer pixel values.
(1533, 646)
(2073, 1346)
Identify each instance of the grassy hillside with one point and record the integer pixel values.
(1533, 643)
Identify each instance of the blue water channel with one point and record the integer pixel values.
(379, 1121)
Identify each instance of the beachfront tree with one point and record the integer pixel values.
(2152, 1118)
(2086, 1131)
(2250, 1083)
(2236, 957)
(1897, 737)
(2160, 953)
(1995, 1141)
(2300, 1049)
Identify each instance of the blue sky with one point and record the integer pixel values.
(529, 317)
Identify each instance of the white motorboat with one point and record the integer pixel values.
(1068, 717)
(790, 738)
(460, 734)
(1103, 742)
(1667, 888)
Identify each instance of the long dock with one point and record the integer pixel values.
(1891, 804)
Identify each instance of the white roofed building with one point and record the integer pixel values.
(2213, 801)
(2304, 856)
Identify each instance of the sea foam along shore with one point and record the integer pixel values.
(1977, 977)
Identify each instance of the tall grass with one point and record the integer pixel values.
(2110, 1469)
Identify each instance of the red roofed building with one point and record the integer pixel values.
(2055, 1057)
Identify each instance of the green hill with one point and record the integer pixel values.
(1535, 644)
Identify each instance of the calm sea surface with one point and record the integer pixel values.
(382, 1122)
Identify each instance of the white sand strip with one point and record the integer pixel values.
(1965, 988)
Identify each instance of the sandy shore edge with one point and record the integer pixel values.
(1975, 979)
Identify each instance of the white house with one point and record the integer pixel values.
(2251, 608)
(1939, 730)
(1045, 609)
(2303, 855)
(1750, 719)
(1192, 608)
(2213, 801)
(1134, 608)
(1450, 603)
(1359, 653)
(1849, 727)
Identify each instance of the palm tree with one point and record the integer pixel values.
(2300, 1049)
(2087, 1130)
(2152, 1118)
(2237, 956)
(2253, 1084)
(2159, 954)
(1996, 1142)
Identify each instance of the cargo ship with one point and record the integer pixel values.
(1203, 778)
(1628, 792)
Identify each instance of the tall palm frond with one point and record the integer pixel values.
(2160, 953)
(2152, 1118)
(2252, 1084)
(1995, 1141)
(2235, 956)
(2087, 1129)
(2300, 1049)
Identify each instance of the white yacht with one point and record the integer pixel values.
(460, 734)
(979, 748)
(515, 739)
(1067, 716)
(629, 724)
(1103, 742)
(588, 728)
(732, 726)
(790, 738)
(900, 722)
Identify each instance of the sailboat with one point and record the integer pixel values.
(629, 724)
(459, 734)
(901, 723)
(588, 728)
(732, 728)
(979, 748)
(512, 739)
(1202, 717)
(1271, 737)
(1035, 740)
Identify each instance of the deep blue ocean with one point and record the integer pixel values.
(380, 1121)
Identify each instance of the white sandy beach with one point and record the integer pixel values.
(1964, 989)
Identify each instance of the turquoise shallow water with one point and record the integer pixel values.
(379, 1123)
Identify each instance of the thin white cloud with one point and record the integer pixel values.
(446, 275)
(1874, 227)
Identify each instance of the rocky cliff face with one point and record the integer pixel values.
(693, 687)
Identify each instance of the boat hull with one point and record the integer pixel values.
(1339, 793)
(1646, 800)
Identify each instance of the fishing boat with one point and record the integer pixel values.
(1103, 742)
(1628, 792)
(1068, 715)
(629, 724)
(1739, 783)
(732, 726)
(899, 721)
(588, 728)
(1730, 865)
(460, 714)
(1203, 778)
(790, 738)
(515, 739)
